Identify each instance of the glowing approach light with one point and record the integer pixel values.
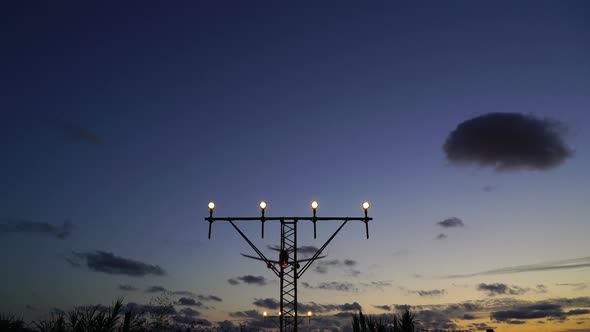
(211, 206)
(314, 205)
(309, 313)
(263, 205)
(265, 314)
(366, 206)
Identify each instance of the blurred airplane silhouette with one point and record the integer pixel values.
(283, 261)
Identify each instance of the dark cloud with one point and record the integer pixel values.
(451, 222)
(565, 264)
(436, 320)
(443, 316)
(430, 293)
(189, 312)
(188, 320)
(267, 303)
(482, 326)
(209, 298)
(148, 308)
(246, 314)
(106, 262)
(272, 304)
(23, 226)
(383, 307)
(155, 289)
(74, 132)
(488, 188)
(187, 301)
(226, 325)
(507, 141)
(232, 281)
(203, 322)
(468, 317)
(535, 311)
(441, 236)
(127, 288)
(183, 292)
(501, 289)
(332, 285)
(250, 280)
(350, 307)
(578, 312)
(323, 266)
(516, 322)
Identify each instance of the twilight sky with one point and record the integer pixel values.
(120, 123)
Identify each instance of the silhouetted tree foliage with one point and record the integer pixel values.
(11, 323)
(402, 322)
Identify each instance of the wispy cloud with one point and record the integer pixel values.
(332, 285)
(183, 292)
(127, 288)
(501, 289)
(24, 226)
(441, 236)
(323, 266)
(576, 285)
(246, 314)
(106, 262)
(488, 188)
(74, 132)
(565, 264)
(156, 289)
(377, 284)
(249, 279)
(209, 298)
(430, 293)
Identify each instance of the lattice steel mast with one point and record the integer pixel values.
(288, 318)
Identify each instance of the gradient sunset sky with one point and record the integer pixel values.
(120, 122)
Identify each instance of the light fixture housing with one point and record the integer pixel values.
(366, 206)
(314, 205)
(211, 206)
(262, 205)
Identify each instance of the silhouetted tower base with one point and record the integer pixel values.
(288, 313)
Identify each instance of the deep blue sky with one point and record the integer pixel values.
(127, 119)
